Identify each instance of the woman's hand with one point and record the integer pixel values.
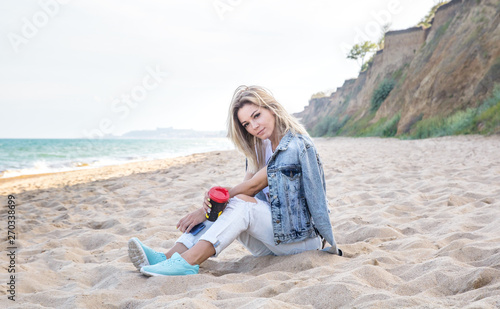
(206, 203)
(207, 207)
(187, 222)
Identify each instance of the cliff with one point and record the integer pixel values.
(420, 74)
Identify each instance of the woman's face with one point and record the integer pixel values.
(258, 121)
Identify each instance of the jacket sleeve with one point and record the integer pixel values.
(315, 193)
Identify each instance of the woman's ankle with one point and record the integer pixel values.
(199, 253)
(178, 247)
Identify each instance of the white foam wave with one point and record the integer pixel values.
(43, 167)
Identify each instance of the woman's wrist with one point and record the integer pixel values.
(202, 213)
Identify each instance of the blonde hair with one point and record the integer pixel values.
(248, 144)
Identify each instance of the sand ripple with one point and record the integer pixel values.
(419, 222)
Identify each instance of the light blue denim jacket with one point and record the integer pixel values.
(297, 192)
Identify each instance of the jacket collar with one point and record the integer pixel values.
(283, 145)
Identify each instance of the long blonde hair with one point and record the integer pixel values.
(248, 144)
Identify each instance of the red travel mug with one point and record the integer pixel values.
(218, 198)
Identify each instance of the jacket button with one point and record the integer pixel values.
(278, 221)
(278, 242)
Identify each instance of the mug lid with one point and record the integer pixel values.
(219, 194)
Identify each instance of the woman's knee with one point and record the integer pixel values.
(246, 198)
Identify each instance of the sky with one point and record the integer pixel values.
(88, 68)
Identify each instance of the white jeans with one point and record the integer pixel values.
(251, 224)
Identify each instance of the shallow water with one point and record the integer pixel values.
(36, 156)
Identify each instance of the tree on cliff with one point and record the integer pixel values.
(381, 41)
(318, 95)
(426, 21)
(360, 51)
(380, 44)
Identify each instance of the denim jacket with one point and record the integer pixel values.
(297, 192)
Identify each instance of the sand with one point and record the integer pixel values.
(419, 222)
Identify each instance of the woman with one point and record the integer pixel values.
(280, 208)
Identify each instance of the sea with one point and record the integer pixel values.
(37, 156)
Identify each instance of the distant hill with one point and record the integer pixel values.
(433, 81)
(164, 133)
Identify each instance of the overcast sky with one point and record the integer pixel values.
(78, 68)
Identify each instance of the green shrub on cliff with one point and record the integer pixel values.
(487, 120)
(354, 125)
(329, 126)
(381, 93)
(321, 128)
(383, 127)
(456, 123)
(484, 119)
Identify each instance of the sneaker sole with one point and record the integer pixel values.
(149, 274)
(136, 254)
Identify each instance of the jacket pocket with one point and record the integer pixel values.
(292, 173)
(291, 178)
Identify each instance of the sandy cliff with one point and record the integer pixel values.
(450, 66)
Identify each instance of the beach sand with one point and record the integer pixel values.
(419, 222)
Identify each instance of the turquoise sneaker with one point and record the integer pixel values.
(174, 266)
(142, 255)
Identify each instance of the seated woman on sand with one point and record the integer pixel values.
(279, 209)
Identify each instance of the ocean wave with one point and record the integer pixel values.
(36, 162)
(44, 167)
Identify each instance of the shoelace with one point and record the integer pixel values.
(159, 255)
(170, 261)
